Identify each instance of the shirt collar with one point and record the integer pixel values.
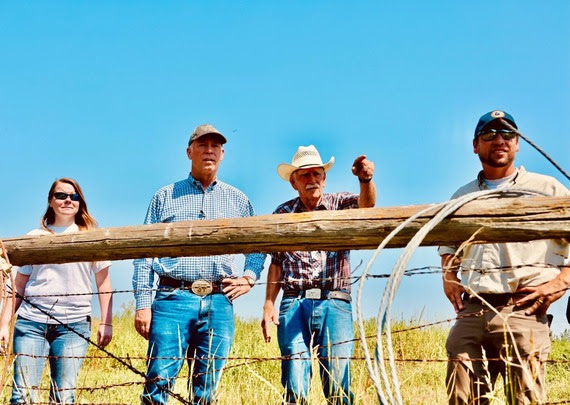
(299, 207)
(196, 183)
(481, 182)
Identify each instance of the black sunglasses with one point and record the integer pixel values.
(491, 134)
(63, 196)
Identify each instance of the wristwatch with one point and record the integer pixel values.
(250, 281)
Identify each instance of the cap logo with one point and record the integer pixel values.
(497, 114)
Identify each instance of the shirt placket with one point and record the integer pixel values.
(317, 265)
(314, 260)
(203, 206)
(485, 280)
(204, 271)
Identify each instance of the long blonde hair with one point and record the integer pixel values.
(83, 219)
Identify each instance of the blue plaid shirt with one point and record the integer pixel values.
(186, 200)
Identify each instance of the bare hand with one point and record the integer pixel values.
(363, 168)
(4, 336)
(235, 287)
(142, 322)
(269, 316)
(543, 296)
(104, 335)
(453, 290)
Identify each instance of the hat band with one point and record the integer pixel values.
(311, 164)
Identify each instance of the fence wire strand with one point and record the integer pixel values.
(387, 385)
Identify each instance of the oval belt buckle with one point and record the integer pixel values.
(201, 287)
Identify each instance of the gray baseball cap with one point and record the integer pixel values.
(205, 129)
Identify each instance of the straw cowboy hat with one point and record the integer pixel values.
(305, 158)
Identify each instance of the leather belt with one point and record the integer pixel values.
(496, 300)
(198, 287)
(318, 294)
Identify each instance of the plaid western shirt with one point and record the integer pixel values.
(186, 200)
(319, 268)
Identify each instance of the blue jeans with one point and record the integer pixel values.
(184, 324)
(324, 324)
(33, 342)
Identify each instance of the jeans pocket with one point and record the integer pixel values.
(286, 304)
(227, 299)
(163, 294)
(82, 328)
(341, 305)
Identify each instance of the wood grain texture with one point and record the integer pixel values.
(499, 220)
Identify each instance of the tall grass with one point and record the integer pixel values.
(256, 380)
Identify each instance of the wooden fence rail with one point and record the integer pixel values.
(499, 220)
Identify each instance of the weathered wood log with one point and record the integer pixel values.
(498, 220)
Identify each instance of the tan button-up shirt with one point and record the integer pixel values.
(503, 267)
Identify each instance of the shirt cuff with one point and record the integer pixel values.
(25, 270)
(251, 274)
(446, 250)
(143, 301)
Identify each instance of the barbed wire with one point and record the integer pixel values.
(479, 313)
(424, 270)
(126, 361)
(387, 386)
(255, 360)
(90, 403)
(416, 271)
(128, 365)
(538, 149)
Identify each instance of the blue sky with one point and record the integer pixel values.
(108, 93)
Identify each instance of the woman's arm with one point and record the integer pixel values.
(20, 282)
(105, 332)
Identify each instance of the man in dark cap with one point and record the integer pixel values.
(191, 314)
(519, 280)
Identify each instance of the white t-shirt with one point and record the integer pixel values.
(500, 183)
(58, 280)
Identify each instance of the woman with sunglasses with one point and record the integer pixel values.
(54, 317)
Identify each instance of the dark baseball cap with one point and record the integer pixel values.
(492, 116)
(205, 129)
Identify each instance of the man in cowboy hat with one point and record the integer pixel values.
(315, 309)
(520, 280)
(191, 315)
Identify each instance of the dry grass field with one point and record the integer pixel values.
(255, 378)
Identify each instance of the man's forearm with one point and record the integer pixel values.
(367, 198)
(450, 264)
(273, 284)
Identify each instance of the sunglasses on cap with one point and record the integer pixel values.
(490, 134)
(63, 196)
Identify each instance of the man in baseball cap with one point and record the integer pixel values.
(206, 129)
(496, 117)
(191, 314)
(519, 280)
